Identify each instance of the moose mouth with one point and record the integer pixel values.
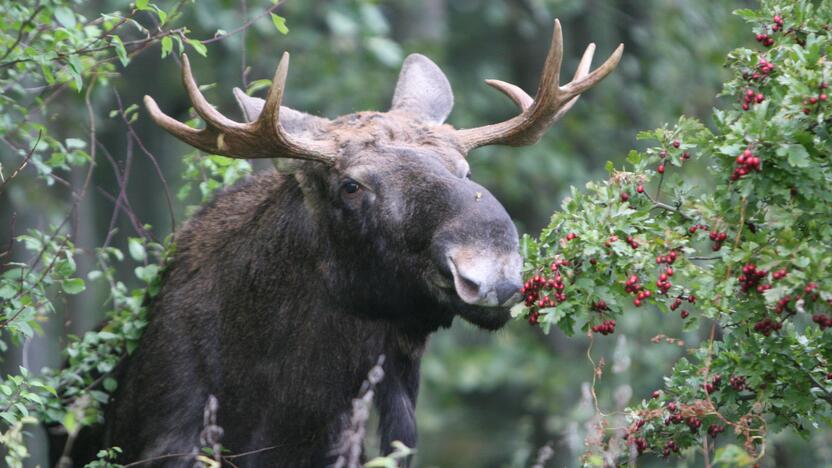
(479, 305)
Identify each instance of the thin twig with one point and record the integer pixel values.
(152, 159)
(23, 163)
(245, 25)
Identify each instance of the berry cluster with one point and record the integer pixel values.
(670, 446)
(693, 423)
(605, 328)
(737, 382)
(782, 304)
(633, 287)
(713, 385)
(765, 68)
(750, 278)
(632, 242)
(766, 39)
(669, 258)
(715, 429)
(823, 321)
(663, 283)
(766, 326)
(678, 301)
(815, 101)
(697, 227)
(718, 238)
(752, 97)
(640, 443)
(780, 274)
(745, 164)
(534, 291)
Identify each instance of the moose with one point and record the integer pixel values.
(285, 289)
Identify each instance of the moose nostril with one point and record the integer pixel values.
(506, 290)
(467, 288)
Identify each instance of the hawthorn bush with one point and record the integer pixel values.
(746, 251)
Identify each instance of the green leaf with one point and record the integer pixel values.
(280, 24)
(136, 248)
(167, 46)
(198, 47)
(120, 50)
(142, 4)
(796, 155)
(73, 285)
(65, 16)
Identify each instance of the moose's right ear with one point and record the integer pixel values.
(293, 121)
(251, 106)
(423, 90)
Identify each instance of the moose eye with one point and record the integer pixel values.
(350, 187)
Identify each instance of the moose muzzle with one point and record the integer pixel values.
(484, 278)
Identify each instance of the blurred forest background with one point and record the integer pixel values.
(487, 400)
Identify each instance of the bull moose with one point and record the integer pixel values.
(285, 289)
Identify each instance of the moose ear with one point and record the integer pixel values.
(251, 106)
(423, 90)
(293, 121)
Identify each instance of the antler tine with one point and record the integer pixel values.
(189, 135)
(582, 70)
(550, 78)
(271, 109)
(577, 87)
(515, 93)
(549, 104)
(201, 105)
(264, 138)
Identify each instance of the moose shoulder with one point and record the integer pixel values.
(285, 290)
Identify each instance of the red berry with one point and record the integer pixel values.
(660, 169)
(625, 196)
(823, 97)
(640, 188)
(676, 143)
(684, 314)
(571, 236)
(656, 394)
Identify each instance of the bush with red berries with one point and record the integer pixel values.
(759, 281)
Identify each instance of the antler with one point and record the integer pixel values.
(548, 106)
(263, 138)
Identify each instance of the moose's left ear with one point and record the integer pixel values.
(423, 90)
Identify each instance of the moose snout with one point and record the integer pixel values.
(485, 279)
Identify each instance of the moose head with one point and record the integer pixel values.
(393, 189)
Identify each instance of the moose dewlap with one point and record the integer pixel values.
(285, 290)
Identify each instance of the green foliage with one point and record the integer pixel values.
(761, 274)
(49, 46)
